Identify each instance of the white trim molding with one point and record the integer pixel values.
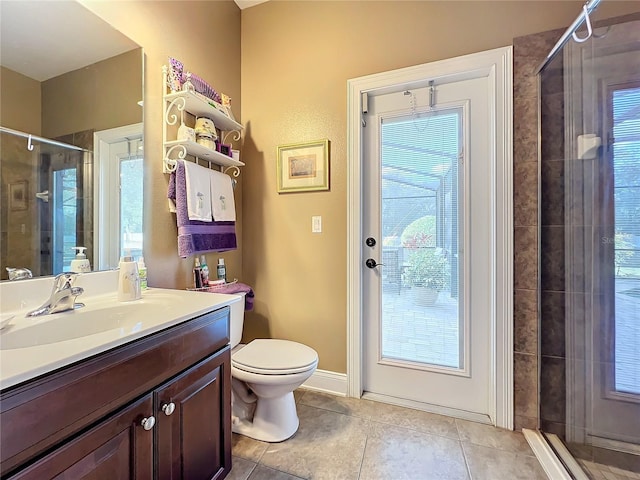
(327, 382)
(499, 63)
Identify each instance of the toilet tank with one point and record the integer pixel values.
(236, 321)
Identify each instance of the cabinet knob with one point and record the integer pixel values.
(168, 408)
(148, 422)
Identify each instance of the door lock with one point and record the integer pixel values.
(371, 242)
(371, 263)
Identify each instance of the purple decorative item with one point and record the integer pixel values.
(174, 80)
(195, 237)
(223, 148)
(204, 88)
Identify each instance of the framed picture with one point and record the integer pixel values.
(18, 195)
(303, 167)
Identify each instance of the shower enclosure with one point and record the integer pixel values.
(589, 219)
(47, 188)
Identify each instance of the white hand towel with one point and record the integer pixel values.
(223, 204)
(198, 192)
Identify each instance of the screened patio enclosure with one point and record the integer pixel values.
(421, 208)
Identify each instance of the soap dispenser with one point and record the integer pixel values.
(128, 280)
(80, 264)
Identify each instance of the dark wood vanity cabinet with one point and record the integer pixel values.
(118, 448)
(191, 438)
(158, 408)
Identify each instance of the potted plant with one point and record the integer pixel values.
(427, 273)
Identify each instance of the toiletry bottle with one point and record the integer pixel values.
(222, 270)
(142, 273)
(197, 274)
(128, 280)
(205, 271)
(80, 264)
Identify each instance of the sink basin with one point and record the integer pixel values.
(100, 314)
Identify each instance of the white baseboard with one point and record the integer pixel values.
(327, 382)
(550, 463)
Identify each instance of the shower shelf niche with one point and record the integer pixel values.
(174, 106)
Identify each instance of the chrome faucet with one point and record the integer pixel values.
(19, 273)
(63, 296)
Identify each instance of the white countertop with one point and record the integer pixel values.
(157, 310)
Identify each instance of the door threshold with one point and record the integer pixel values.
(556, 461)
(430, 408)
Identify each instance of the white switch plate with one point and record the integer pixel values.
(316, 224)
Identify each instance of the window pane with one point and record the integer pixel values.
(420, 227)
(65, 203)
(131, 175)
(626, 162)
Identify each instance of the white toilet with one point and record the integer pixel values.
(264, 374)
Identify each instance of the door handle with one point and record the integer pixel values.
(371, 263)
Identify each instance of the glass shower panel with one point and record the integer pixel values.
(590, 247)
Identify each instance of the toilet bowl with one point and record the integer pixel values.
(264, 374)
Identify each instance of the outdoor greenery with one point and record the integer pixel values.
(428, 267)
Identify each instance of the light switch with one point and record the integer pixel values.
(316, 224)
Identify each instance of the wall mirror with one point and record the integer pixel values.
(70, 138)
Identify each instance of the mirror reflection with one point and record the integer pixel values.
(70, 139)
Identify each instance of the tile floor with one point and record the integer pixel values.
(597, 471)
(345, 438)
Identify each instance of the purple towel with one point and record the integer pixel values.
(196, 237)
(236, 288)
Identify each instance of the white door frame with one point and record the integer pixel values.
(105, 213)
(497, 65)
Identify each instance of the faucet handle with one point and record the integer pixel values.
(19, 273)
(64, 280)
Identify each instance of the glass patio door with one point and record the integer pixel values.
(427, 277)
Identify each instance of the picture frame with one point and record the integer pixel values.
(18, 195)
(303, 167)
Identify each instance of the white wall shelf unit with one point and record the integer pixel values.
(175, 104)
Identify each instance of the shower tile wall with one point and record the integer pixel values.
(552, 244)
(528, 53)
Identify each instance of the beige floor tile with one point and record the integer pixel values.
(403, 454)
(624, 473)
(345, 405)
(489, 436)
(327, 445)
(298, 394)
(415, 419)
(241, 469)
(265, 473)
(608, 475)
(247, 448)
(487, 463)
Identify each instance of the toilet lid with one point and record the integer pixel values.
(275, 357)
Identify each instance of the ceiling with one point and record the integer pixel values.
(248, 3)
(52, 27)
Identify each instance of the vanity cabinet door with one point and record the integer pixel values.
(118, 448)
(193, 436)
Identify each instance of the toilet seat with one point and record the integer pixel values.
(274, 357)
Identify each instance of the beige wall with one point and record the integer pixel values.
(97, 97)
(19, 102)
(205, 36)
(296, 59)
